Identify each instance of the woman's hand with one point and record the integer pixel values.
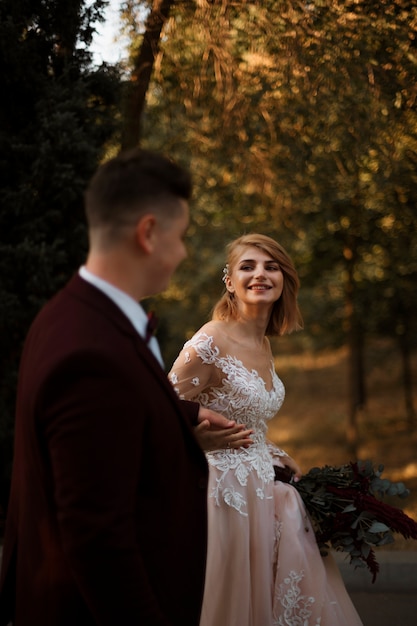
(289, 462)
(215, 432)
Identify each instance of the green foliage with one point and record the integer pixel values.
(57, 114)
(298, 120)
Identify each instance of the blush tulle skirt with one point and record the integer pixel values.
(264, 567)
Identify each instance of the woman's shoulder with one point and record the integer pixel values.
(213, 331)
(210, 338)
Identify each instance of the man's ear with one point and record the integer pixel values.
(145, 232)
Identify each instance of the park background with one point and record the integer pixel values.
(297, 120)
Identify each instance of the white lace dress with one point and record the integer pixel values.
(263, 567)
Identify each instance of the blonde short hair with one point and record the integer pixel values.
(285, 316)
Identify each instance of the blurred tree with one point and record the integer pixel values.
(57, 114)
(298, 120)
(142, 62)
(392, 311)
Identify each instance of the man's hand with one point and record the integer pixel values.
(215, 431)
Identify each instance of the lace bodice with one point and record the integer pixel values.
(239, 394)
(223, 384)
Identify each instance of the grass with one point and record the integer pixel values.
(311, 425)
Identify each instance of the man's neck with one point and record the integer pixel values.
(115, 270)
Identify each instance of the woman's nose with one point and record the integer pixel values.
(260, 272)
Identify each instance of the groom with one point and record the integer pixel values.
(106, 523)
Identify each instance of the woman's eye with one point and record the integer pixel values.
(269, 268)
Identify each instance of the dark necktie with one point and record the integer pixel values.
(151, 326)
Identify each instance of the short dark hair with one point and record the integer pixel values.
(133, 182)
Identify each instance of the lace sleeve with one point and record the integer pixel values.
(194, 370)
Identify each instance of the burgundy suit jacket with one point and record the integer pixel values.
(106, 523)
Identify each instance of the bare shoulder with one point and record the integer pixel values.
(216, 329)
(215, 333)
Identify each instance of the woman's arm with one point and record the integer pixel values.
(192, 376)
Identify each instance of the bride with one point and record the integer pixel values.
(263, 564)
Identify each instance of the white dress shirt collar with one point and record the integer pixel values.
(132, 309)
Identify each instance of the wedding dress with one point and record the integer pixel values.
(264, 567)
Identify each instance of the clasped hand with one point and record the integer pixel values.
(214, 431)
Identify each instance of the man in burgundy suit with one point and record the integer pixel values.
(106, 523)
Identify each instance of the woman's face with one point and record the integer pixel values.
(255, 277)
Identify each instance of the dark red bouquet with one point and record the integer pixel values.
(348, 514)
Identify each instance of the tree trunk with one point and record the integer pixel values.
(356, 383)
(137, 87)
(404, 343)
(356, 378)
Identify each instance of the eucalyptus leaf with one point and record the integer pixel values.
(386, 540)
(378, 527)
(346, 541)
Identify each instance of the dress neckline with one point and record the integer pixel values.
(254, 372)
(215, 357)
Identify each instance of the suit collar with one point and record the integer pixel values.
(132, 309)
(129, 307)
(94, 297)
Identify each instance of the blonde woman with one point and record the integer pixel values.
(263, 565)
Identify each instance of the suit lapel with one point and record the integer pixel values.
(95, 298)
